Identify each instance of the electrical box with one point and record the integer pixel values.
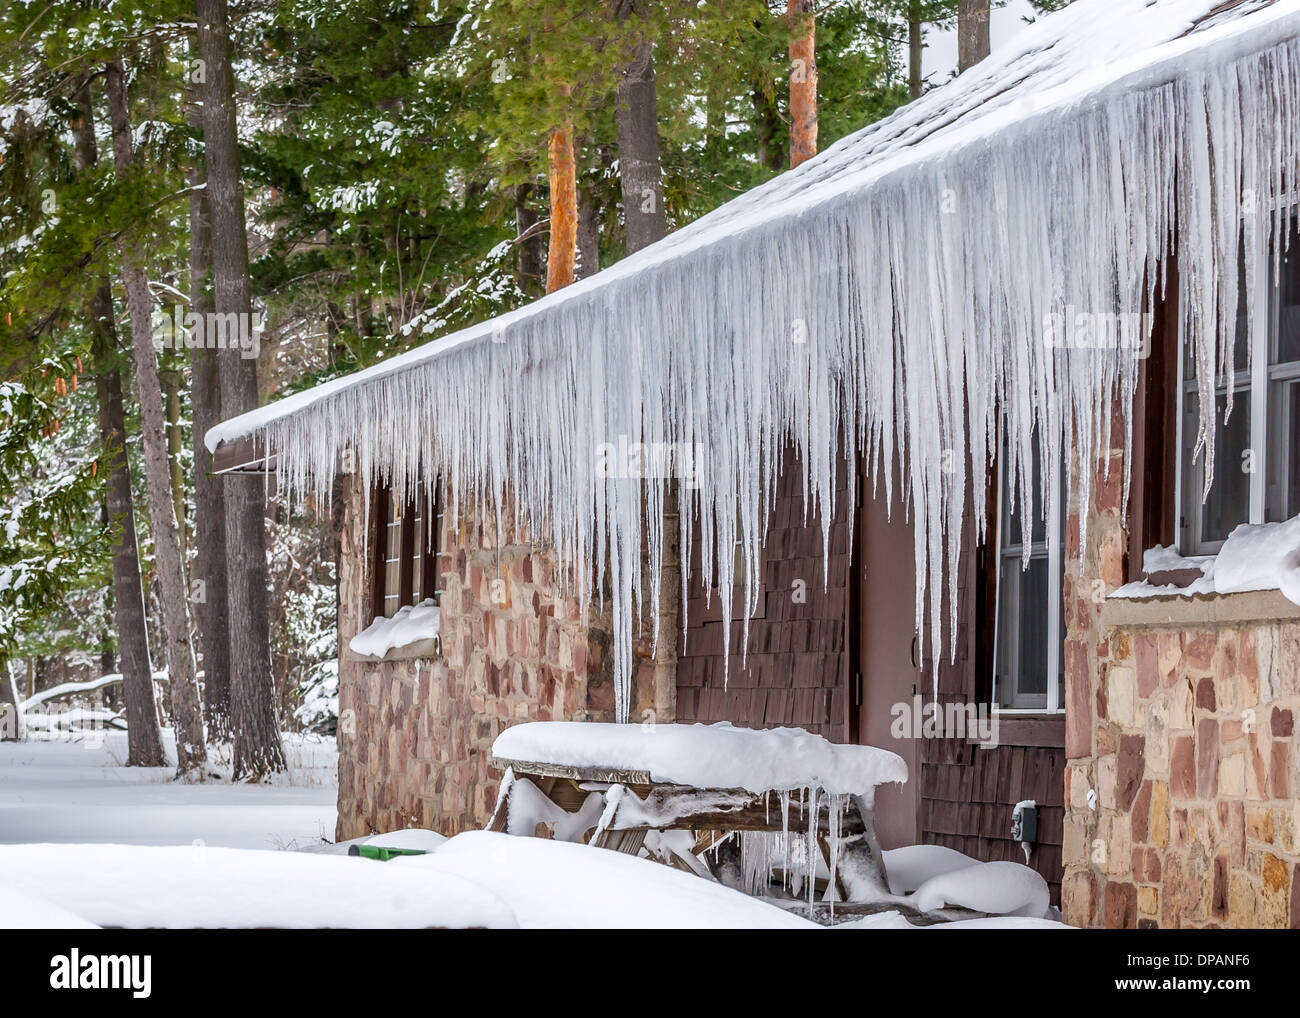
(1024, 823)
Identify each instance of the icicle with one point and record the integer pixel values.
(896, 291)
(785, 837)
(812, 853)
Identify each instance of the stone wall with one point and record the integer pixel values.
(1181, 773)
(415, 736)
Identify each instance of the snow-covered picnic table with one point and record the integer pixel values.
(710, 799)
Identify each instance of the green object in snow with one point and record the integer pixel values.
(381, 853)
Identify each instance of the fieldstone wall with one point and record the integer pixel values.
(1180, 741)
(415, 735)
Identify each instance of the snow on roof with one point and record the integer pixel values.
(706, 756)
(916, 288)
(1058, 61)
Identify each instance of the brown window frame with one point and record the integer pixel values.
(430, 515)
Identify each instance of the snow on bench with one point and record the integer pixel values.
(705, 756)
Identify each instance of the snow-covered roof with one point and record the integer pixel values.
(897, 289)
(1056, 62)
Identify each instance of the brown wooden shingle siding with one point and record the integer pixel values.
(966, 802)
(794, 672)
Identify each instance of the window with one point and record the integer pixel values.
(405, 551)
(1257, 455)
(1029, 638)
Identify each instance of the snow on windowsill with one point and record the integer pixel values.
(412, 633)
(1255, 557)
(1254, 577)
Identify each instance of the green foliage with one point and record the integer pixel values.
(386, 146)
(55, 547)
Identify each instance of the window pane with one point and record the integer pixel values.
(1228, 503)
(1241, 341)
(1284, 452)
(1031, 646)
(417, 550)
(1288, 317)
(1014, 522)
(1023, 635)
(392, 559)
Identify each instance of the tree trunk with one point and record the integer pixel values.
(144, 746)
(588, 261)
(209, 594)
(531, 252)
(187, 718)
(169, 374)
(636, 113)
(564, 210)
(972, 32)
(914, 49)
(767, 127)
(257, 749)
(803, 81)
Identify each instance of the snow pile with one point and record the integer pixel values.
(183, 887)
(529, 807)
(557, 885)
(89, 686)
(22, 911)
(474, 880)
(864, 294)
(911, 866)
(706, 756)
(1001, 888)
(1263, 556)
(414, 629)
(1167, 560)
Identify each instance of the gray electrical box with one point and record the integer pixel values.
(1024, 823)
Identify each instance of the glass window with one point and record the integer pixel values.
(1029, 674)
(392, 558)
(1257, 453)
(408, 553)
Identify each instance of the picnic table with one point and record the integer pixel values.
(612, 785)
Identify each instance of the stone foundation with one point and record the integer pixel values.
(1180, 736)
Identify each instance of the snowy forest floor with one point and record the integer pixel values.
(56, 790)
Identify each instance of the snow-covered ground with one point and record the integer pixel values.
(477, 879)
(86, 841)
(64, 791)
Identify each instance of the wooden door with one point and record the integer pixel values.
(886, 654)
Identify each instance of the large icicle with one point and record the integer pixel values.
(894, 290)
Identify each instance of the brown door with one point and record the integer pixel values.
(886, 654)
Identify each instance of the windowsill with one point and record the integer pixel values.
(421, 650)
(1170, 609)
(1035, 729)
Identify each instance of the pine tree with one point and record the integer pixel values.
(257, 748)
(187, 716)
